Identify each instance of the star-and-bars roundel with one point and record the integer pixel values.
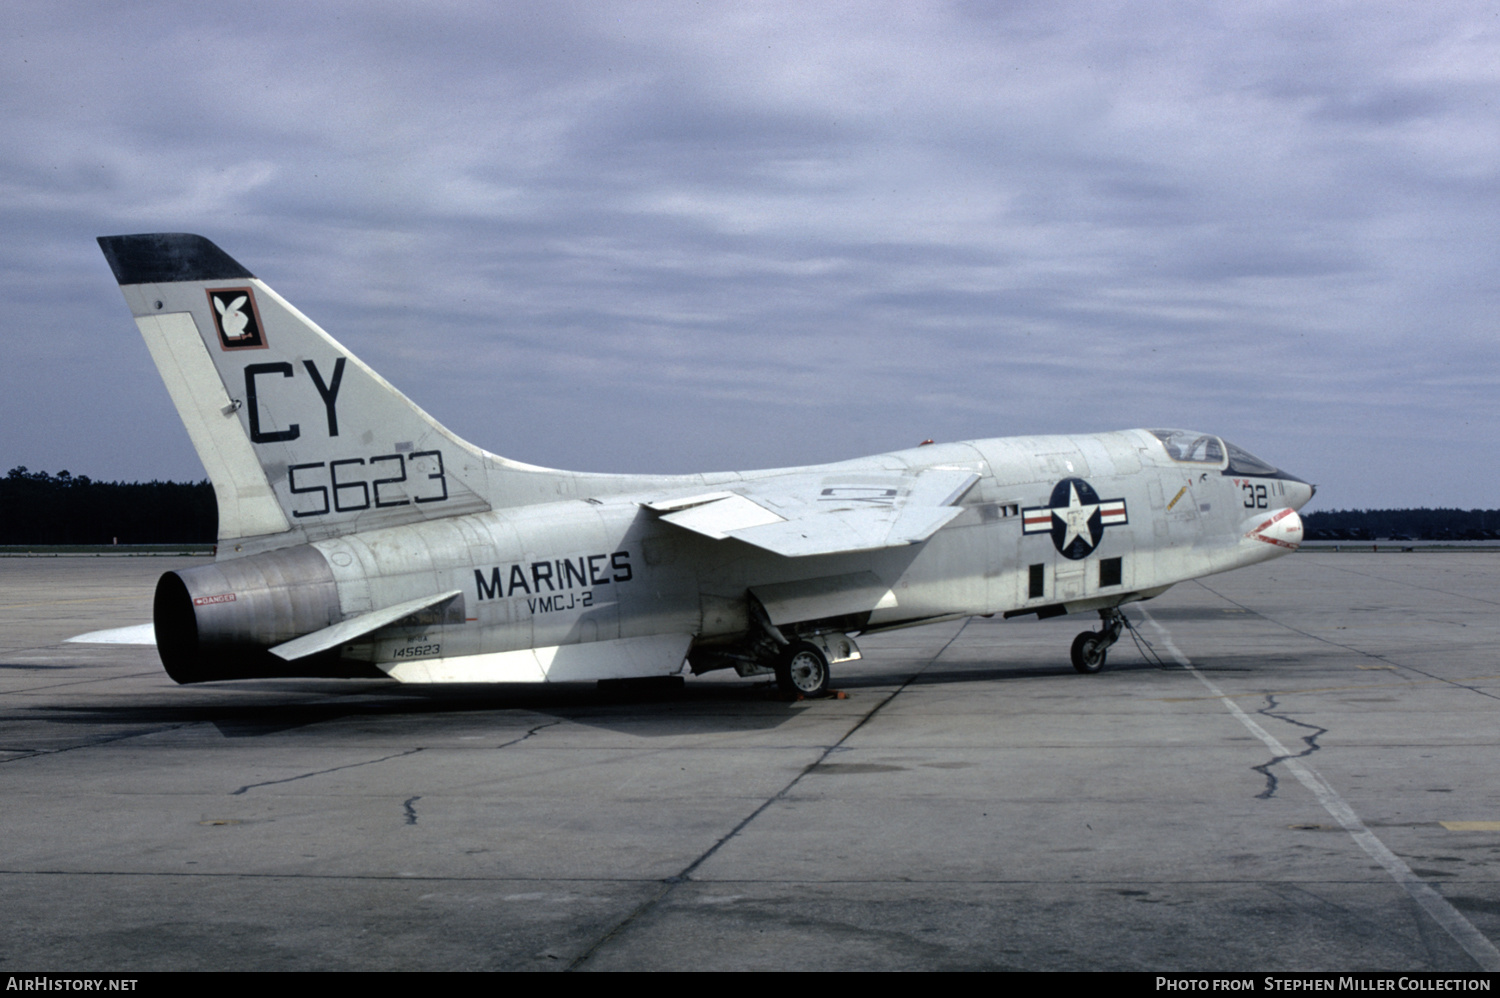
(1076, 517)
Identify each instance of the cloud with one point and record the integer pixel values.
(672, 237)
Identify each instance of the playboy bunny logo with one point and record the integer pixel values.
(231, 319)
(236, 318)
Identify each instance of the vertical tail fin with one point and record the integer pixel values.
(300, 439)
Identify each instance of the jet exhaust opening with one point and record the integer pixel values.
(176, 629)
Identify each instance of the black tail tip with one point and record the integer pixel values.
(168, 257)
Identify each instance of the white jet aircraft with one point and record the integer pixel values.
(358, 537)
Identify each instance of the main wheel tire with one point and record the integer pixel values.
(1089, 652)
(803, 671)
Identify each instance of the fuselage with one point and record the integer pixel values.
(1054, 524)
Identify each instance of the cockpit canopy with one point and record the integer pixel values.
(1189, 447)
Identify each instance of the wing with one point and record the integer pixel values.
(825, 513)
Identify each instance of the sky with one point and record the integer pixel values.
(662, 237)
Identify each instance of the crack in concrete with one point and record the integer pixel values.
(1412, 585)
(321, 772)
(685, 875)
(82, 682)
(409, 805)
(35, 753)
(529, 733)
(1358, 651)
(1311, 741)
(1475, 943)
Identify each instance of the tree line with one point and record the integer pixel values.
(38, 508)
(1403, 524)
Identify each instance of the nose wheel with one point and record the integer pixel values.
(1091, 648)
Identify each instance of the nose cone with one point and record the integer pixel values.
(1298, 492)
(1282, 529)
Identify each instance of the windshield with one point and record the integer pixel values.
(1242, 462)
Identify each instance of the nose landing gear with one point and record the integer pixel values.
(1090, 647)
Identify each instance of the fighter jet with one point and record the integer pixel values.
(359, 537)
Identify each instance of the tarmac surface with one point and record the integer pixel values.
(1305, 780)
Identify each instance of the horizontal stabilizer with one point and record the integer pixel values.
(356, 627)
(135, 634)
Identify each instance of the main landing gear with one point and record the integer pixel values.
(802, 670)
(800, 664)
(1091, 647)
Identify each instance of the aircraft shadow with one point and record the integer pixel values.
(716, 707)
(644, 712)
